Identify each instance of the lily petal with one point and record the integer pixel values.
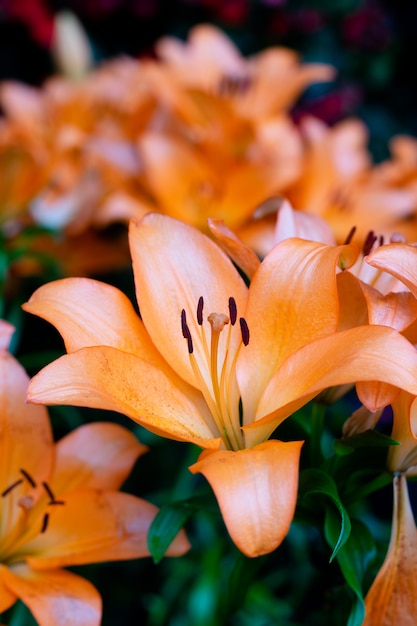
(174, 264)
(398, 259)
(362, 353)
(256, 490)
(56, 598)
(238, 251)
(99, 455)
(25, 436)
(7, 597)
(106, 378)
(88, 313)
(96, 526)
(288, 309)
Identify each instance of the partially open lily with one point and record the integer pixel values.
(392, 598)
(217, 363)
(60, 506)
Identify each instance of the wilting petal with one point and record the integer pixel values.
(239, 252)
(256, 490)
(56, 598)
(99, 455)
(287, 309)
(392, 598)
(96, 526)
(105, 378)
(89, 313)
(398, 259)
(363, 353)
(174, 264)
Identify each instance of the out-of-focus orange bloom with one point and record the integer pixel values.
(340, 183)
(216, 363)
(257, 87)
(60, 505)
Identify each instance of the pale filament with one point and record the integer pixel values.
(220, 389)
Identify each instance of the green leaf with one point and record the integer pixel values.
(317, 482)
(169, 521)
(165, 527)
(353, 559)
(366, 439)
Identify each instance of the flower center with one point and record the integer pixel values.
(24, 515)
(215, 368)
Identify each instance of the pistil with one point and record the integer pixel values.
(220, 388)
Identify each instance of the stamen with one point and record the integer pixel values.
(45, 522)
(28, 477)
(369, 242)
(350, 235)
(186, 331)
(11, 487)
(232, 310)
(52, 499)
(244, 329)
(200, 307)
(381, 240)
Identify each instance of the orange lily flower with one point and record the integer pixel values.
(209, 345)
(209, 60)
(60, 505)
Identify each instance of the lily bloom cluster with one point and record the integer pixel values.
(248, 310)
(199, 132)
(60, 505)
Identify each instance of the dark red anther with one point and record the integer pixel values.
(244, 329)
(232, 311)
(350, 235)
(11, 487)
(369, 242)
(200, 307)
(186, 331)
(28, 477)
(45, 522)
(381, 240)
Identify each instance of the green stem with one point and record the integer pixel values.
(317, 421)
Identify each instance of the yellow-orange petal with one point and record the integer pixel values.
(353, 306)
(55, 597)
(106, 378)
(293, 300)
(88, 312)
(392, 598)
(95, 526)
(256, 490)
(174, 264)
(99, 455)
(7, 597)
